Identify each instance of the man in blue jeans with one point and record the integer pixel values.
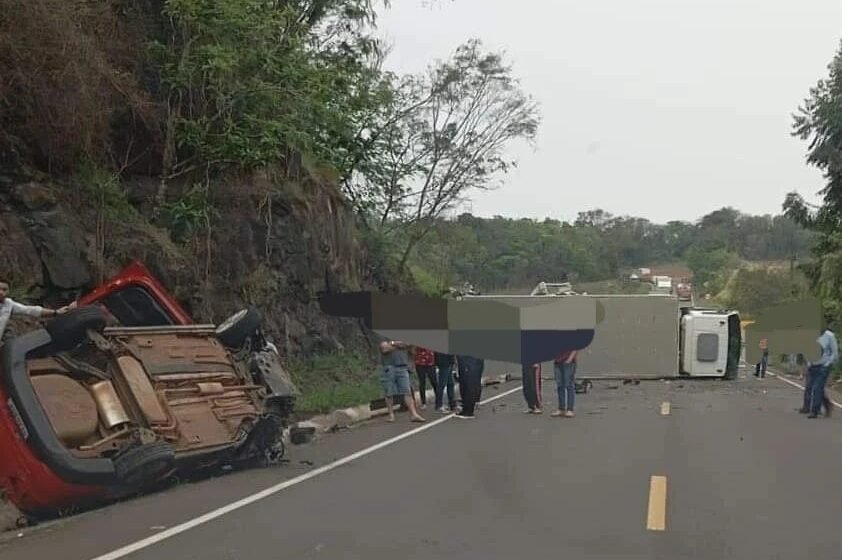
(817, 374)
(565, 380)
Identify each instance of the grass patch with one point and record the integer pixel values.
(335, 380)
(326, 399)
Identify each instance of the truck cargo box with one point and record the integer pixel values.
(637, 336)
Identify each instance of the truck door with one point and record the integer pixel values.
(704, 349)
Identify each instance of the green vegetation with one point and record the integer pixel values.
(331, 381)
(818, 122)
(503, 254)
(750, 290)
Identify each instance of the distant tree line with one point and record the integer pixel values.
(503, 253)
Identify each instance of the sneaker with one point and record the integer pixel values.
(537, 411)
(464, 416)
(569, 414)
(529, 411)
(423, 406)
(557, 413)
(442, 410)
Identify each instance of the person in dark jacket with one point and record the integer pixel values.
(444, 364)
(470, 382)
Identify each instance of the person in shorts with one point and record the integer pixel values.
(396, 382)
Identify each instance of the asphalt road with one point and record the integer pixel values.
(726, 469)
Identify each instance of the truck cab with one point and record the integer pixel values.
(709, 343)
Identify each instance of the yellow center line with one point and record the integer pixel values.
(656, 518)
(665, 408)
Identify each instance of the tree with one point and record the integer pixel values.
(819, 122)
(753, 290)
(709, 267)
(246, 84)
(444, 136)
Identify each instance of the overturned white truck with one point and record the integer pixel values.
(646, 336)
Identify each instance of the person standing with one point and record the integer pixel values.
(532, 386)
(396, 382)
(565, 380)
(9, 307)
(470, 384)
(760, 368)
(425, 367)
(817, 374)
(444, 364)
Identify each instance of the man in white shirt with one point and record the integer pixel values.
(9, 307)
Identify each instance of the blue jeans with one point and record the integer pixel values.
(565, 381)
(445, 382)
(816, 380)
(396, 381)
(760, 368)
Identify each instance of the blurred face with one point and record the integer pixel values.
(4, 291)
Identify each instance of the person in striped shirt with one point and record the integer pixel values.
(532, 388)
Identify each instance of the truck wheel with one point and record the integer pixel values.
(69, 330)
(144, 464)
(234, 331)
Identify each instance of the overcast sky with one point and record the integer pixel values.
(665, 109)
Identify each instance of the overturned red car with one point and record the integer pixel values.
(125, 391)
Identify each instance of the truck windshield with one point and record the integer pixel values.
(735, 343)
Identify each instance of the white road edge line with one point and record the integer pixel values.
(794, 384)
(219, 512)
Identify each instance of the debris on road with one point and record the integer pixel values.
(301, 435)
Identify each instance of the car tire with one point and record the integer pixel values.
(144, 464)
(236, 329)
(69, 330)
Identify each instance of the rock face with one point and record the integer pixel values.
(271, 245)
(59, 243)
(46, 244)
(19, 261)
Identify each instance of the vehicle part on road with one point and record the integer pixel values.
(234, 331)
(583, 386)
(144, 464)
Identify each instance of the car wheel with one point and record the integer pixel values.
(69, 330)
(234, 331)
(144, 464)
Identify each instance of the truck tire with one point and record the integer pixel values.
(144, 464)
(69, 330)
(234, 331)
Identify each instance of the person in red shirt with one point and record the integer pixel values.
(565, 380)
(425, 366)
